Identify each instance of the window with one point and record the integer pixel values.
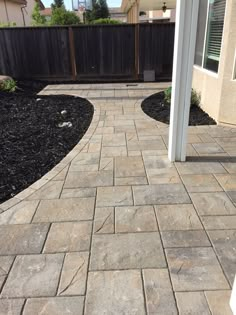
(210, 33)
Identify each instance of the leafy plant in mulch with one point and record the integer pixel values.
(8, 85)
(157, 106)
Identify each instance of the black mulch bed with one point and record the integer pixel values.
(31, 143)
(155, 107)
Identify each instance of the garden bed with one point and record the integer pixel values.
(155, 107)
(32, 142)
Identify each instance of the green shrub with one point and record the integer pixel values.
(106, 21)
(195, 97)
(8, 85)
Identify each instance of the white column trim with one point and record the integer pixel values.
(185, 40)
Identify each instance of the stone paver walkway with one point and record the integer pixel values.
(116, 228)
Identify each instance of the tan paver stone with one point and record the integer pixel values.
(232, 195)
(55, 306)
(135, 219)
(177, 217)
(74, 274)
(78, 193)
(194, 269)
(230, 166)
(173, 239)
(218, 302)
(201, 183)
(127, 181)
(115, 292)
(224, 243)
(114, 140)
(62, 174)
(193, 303)
(207, 148)
(11, 306)
(104, 220)
(114, 151)
(158, 292)
(146, 145)
(219, 222)
(129, 166)
(117, 123)
(51, 190)
(22, 239)
(188, 168)
(5, 265)
(106, 164)
(127, 251)
(68, 237)
(89, 179)
(160, 194)
(19, 214)
(216, 203)
(30, 273)
(114, 196)
(228, 182)
(85, 159)
(73, 209)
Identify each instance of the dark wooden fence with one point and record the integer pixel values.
(97, 52)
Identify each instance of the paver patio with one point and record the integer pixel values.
(115, 228)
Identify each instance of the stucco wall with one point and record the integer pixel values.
(15, 13)
(218, 91)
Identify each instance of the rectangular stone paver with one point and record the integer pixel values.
(78, 193)
(115, 292)
(72, 209)
(200, 168)
(34, 275)
(193, 303)
(160, 194)
(51, 190)
(185, 239)
(130, 181)
(104, 220)
(22, 239)
(194, 269)
(216, 203)
(114, 196)
(11, 306)
(19, 214)
(218, 302)
(127, 251)
(135, 219)
(74, 274)
(228, 182)
(129, 166)
(114, 151)
(5, 265)
(201, 183)
(116, 140)
(219, 222)
(55, 306)
(158, 292)
(89, 179)
(69, 237)
(177, 217)
(224, 243)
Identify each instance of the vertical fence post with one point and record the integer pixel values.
(72, 53)
(137, 30)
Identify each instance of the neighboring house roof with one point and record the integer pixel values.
(46, 12)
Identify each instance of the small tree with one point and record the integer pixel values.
(60, 16)
(37, 18)
(99, 11)
(103, 9)
(57, 4)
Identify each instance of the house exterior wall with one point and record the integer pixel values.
(15, 13)
(218, 91)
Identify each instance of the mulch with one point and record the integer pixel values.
(155, 107)
(32, 142)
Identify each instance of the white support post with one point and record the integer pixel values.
(185, 40)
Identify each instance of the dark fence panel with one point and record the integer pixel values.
(156, 47)
(105, 51)
(35, 52)
(97, 52)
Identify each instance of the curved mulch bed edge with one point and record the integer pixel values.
(32, 142)
(156, 108)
